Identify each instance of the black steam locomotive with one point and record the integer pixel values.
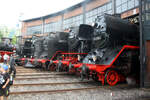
(111, 45)
(114, 51)
(6, 45)
(42, 48)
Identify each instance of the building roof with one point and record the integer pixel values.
(58, 13)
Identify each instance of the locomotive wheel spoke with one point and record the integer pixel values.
(111, 77)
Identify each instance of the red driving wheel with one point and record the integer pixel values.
(112, 77)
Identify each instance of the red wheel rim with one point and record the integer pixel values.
(112, 77)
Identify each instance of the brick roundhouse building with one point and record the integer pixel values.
(81, 13)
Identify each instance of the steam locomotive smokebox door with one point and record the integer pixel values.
(85, 32)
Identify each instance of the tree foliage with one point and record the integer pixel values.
(1, 35)
(10, 33)
(14, 39)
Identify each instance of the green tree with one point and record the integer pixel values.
(1, 35)
(14, 39)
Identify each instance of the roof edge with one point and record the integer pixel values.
(59, 12)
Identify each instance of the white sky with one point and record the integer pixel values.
(14, 10)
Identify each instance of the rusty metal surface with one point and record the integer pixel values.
(147, 74)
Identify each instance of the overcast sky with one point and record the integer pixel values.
(14, 10)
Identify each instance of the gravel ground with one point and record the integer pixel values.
(50, 80)
(35, 73)
(50, 87)
(36, 76)
(118, 92)
(98, 94)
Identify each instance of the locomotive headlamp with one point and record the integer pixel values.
(94, 25)
(79, 57)
(94, 58)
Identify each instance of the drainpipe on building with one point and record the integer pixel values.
(62, 20)
(84, 11)
(141, 46)
(42, 32)
(113, 7)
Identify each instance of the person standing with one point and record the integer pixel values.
(5, 58)
(12, 70)
(4, 82)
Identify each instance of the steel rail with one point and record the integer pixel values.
(38, 78)
(41, 74)
(37, 84)
(53, 91)
(30, 72)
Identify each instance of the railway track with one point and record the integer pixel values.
(37, 84)
(29, 74)
(33, 78)
(41, 74)
(54, 91)
(41, 85)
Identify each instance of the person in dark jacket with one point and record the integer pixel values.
(12, 70)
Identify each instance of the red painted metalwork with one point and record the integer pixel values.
(57, 52)
(2, 53)
(66, 58)
(124, 47)
(32, 60)
(112, 76)
(74, 53)
(23, 60)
